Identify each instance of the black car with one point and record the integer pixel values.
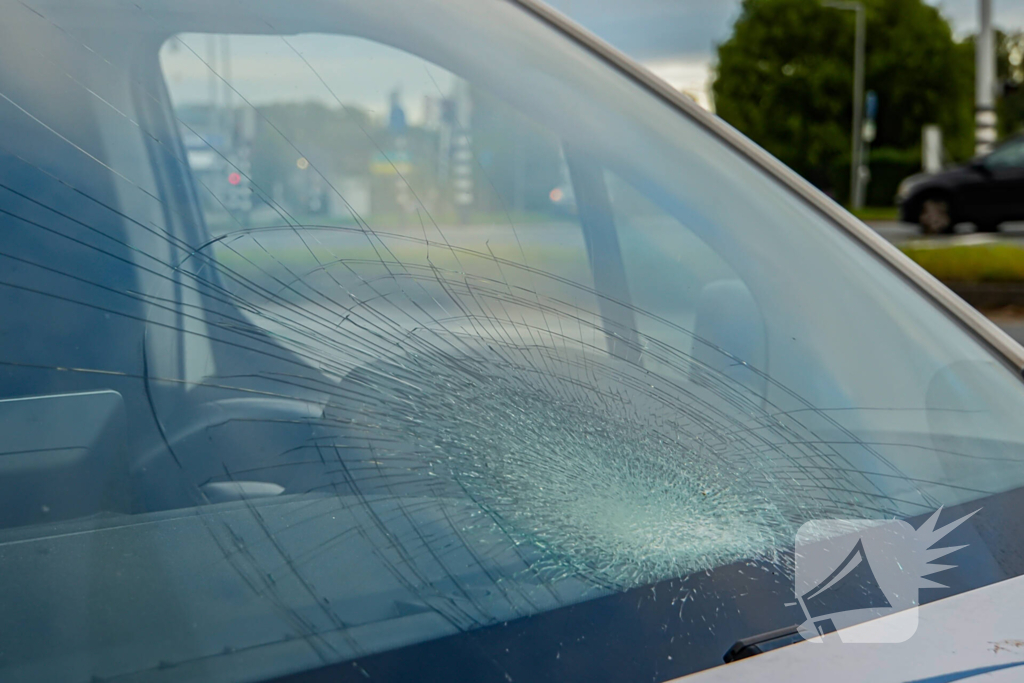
(987, 191)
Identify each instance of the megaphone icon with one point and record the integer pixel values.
(851, 586)
(859, 591)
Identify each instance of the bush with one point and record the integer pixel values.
(888, 167)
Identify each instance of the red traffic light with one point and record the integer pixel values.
(234, 178)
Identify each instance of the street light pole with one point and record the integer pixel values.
(984, 81)
(857, 170)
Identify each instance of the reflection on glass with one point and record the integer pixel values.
(335, 329)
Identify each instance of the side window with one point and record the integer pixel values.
(1010, 155)
(360, 171)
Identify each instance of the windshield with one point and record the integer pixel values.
(413, 339)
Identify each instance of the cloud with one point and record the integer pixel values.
(690, 29)
(963, 14)
(656, 29)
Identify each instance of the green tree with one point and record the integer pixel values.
(786, 74)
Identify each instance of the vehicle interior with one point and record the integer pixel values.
(407, 413)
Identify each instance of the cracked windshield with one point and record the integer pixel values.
(417, 339)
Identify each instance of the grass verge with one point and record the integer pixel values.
(992, 262)
(877, 213)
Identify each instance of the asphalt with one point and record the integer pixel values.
(897, 233)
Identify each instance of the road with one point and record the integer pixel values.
(897, 232)
(1011, 320)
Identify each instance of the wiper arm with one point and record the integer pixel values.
(763, 642)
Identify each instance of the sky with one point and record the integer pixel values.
(268, 69)
(676, 38)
